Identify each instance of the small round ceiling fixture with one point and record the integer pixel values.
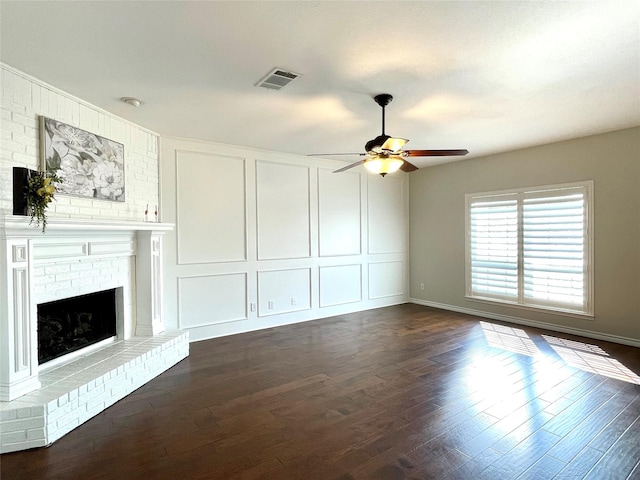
(131, 101)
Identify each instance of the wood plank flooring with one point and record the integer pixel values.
(403, 392)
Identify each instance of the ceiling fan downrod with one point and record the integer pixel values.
(383, 100)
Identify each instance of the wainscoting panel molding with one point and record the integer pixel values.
(211, 299)
(386, 203)
(386, 279)
(340, 284)
(339, 210)
(302, 245)
(209, 230)
(283, 210)
(283, 291)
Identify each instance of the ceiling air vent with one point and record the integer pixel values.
(277, 78)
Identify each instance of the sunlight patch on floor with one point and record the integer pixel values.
(584, 356)
(490, 379)
(580, 355)
(507, 338)
(574, 345)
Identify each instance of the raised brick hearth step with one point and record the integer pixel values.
(76, 391)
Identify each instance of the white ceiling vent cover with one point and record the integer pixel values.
(277, 78)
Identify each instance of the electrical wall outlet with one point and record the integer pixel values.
(422, 286)
(270, 304)
(293, 300)
(252, 306)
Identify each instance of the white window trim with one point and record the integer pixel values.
(588, 312)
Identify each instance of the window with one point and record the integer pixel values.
(532, 247)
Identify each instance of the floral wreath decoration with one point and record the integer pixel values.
(40, 191)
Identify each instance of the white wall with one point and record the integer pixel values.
(278, 232)
(611, 160)
(24, 99)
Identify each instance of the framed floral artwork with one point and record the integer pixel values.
(87, 164)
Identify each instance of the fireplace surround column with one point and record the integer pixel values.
(149, 283)
(18, 334)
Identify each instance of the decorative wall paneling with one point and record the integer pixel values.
(210, 299)
(211, 230)
(340, 284)
(284, 291)
(340, 213)
(387, 220)
(282, 206)
(386, 279)
(309, 237)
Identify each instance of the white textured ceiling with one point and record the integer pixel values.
(486, 76)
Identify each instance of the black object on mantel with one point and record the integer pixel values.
(21, 176)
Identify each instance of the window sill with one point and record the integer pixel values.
(531, 308)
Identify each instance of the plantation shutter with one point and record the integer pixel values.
(493, 239)
(554, 254)
(532, 247)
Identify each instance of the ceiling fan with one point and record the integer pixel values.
(384, 154)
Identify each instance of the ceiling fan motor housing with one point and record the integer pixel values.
(383, 99)
(376, 144)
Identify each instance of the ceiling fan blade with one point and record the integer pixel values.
(333, 154)
(359, 162)
(408, 167)
(435, 153)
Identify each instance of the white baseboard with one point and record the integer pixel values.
(531, 323)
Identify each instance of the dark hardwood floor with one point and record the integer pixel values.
(404, 392)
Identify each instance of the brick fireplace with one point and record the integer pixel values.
(77, 257)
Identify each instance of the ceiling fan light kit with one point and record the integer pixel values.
(384, 165)
(394, 144)
(384, 153)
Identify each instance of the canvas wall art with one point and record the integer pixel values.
(89, 165)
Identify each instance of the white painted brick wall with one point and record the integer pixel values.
(24, 99)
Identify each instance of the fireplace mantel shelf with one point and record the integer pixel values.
(16, 225)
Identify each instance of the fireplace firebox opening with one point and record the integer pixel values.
(71, 324)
